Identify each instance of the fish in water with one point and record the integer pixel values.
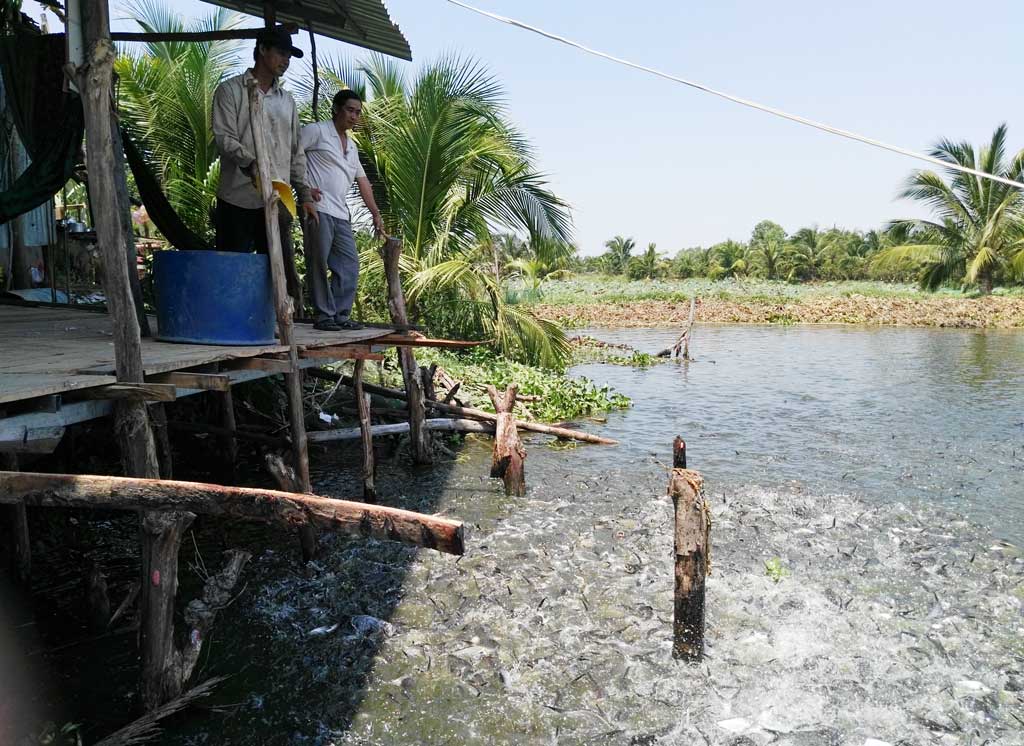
(322, 631)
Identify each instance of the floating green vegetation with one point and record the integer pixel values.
(552, 396)
(775, 570)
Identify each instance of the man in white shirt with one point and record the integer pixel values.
(332, 164)
(239, 220)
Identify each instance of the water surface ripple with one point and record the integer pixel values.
(879, 468)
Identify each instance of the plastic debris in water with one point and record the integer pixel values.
(321, 631)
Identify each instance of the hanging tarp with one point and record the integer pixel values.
(158, 207)
(49, 120)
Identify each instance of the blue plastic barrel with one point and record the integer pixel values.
(214, 297)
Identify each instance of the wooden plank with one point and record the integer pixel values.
(405, 340)
(268, 364)
(134, 392)
(241, 33)
(201, 381)
(345, 352)
(22, 386)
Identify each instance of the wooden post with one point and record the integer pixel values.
(365, 431)
(684, 339)
(692, 548)
(316, 72)
(283, 308)
(509, 454)
(162, 438)
(429, 392)
(285, 477)
(125, 215)
(229, 441)
(22, 557)
(678, 453)
(419, 435)
(131, 419)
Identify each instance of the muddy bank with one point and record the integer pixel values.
(957, 313)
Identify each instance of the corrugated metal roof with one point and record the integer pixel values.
(365, 23)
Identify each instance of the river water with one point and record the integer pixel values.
(878, 470)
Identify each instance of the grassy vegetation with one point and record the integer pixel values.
(599, 289)
(596, 300)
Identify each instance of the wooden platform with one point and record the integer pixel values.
(46, 351)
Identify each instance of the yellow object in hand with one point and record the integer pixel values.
(287, 198)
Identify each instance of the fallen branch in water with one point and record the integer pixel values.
(399, 428)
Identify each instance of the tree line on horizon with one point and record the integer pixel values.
(974, 239)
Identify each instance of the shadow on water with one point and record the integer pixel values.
(300, 648)
(296, 644)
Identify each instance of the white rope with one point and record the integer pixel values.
(752, 104)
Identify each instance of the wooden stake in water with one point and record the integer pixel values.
(692, 544)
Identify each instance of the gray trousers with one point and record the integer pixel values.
(330, 245)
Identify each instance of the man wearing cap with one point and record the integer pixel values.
(239, 219)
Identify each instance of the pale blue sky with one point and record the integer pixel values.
(643, 157)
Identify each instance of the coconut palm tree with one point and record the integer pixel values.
(806, 254)
(616, 259)
(648, 265)
(449, 170)
(166, 98)
(728, 259)
(767, 245)
(978, 230)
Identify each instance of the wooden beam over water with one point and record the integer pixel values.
(287, 509)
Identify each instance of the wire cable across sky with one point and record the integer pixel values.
(744, 102)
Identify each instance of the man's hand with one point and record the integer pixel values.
(316, 194)
(309, 213)
(378, 225)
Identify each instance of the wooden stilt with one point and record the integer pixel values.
(22, 557)
(229, 438)
(286, 479)
(692, 564)
(97, 598)
(366, 433)
(131, 419)
(162, 439)
(419, 435)
(282, 306)
(509, 455)
(428, 381)
(316, 72)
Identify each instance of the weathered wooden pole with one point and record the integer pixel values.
(507, 460)
(131, 419)
(276, 507)
(229, 440)
(365, 432)
(689, 328)
(22, 557)
(283, 307)
(692, 564)
(422, 452)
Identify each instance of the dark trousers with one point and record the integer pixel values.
(243, 229)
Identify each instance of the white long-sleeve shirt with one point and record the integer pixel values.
(232, 133)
